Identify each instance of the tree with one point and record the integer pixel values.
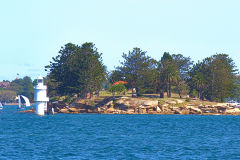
(7, 96)
(214, 78)
(117, 88)
(169, 74)
(135, 69)
(184, 65)
(23, 87)
(77, 70)
(27, 88)
(182, 88)
(223, 73)
(115, 75)
(59, 68)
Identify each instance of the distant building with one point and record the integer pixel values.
(4, 84)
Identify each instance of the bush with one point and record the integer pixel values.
(67, 99)
(194, 93)
(188, 100)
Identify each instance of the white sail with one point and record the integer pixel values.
(1, 106)
(19, 101)
(27, 102)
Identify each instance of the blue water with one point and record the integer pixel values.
(93, 136)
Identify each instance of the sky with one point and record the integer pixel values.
(32, 32)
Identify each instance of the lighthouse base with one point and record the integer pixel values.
(40, 108)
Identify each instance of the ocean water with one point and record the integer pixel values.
(93, 136)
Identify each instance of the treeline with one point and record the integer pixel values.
(19, 86)
(79, 70)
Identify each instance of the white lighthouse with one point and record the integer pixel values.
(40, 96)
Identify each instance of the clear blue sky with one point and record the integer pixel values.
(32, 32)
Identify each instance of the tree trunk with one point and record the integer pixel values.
(97, 93)
(180, 95)
(169, 90)
(113, 95)
(201, 95)
(161, 94)
(137, 92)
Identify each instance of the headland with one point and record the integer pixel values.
(148, 104)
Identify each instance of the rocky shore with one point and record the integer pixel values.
(127, 105)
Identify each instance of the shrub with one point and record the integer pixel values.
(188, 100)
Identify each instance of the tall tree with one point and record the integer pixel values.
(7, 96)
(135, 66)
(184, 65)
(169, 73)
(77, 70)
(23, 87)
(115, 75)
(214, 78)
(27, 87)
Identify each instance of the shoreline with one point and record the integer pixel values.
(127, 105)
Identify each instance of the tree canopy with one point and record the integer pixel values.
(77, 70)
(136, 69)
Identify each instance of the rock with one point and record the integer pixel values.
(110, 103)
(171, 102)
(194, 110)
(221, 109)
(74, 110)
(185, 111)
(221, 104)
(179, 101)
(177, 111)
(233, 111)
(165, 105)
(64, 110)
(150, 103)
(121, 101)
(158, 109)
(130, 111)
(136, 103)
(111, 109)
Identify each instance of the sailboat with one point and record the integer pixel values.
(27, 102)
(1, 106)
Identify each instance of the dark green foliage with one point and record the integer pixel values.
(118, 88)
(27, 87)
(184, 65)
(169, 73)
(214, 78)
(115, 75)
(181, 87)
(136, 68)
(23, 87)
(188, 100)
(7, 96)
(77, 70)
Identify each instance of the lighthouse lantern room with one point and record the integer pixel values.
(40, 96)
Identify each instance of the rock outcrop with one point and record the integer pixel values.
(127, 105)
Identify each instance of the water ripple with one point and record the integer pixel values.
(92, 136)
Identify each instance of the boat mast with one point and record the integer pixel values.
(19, 101)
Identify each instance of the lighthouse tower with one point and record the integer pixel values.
(40, 96)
